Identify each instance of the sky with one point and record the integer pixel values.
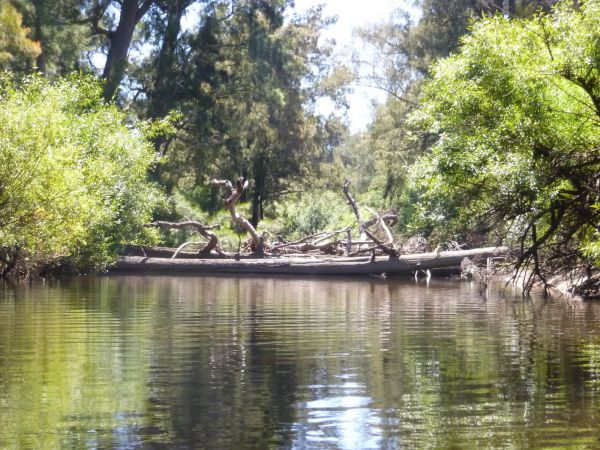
(354, 14)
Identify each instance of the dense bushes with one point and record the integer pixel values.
(516, 120)
(311, 213)
(72, 174)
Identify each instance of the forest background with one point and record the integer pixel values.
(489, 134)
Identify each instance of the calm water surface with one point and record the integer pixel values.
(231, 363)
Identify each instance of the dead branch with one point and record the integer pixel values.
(387, 231)
(354, 206)
(291, 244)
(184, 245)
(331, 234)
(301, 245)
(327, 247)
(392, 218)
(236, 193)
(386, 249)
(361, 251)
(202, 229)
(390, 251)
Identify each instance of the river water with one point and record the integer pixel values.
(232, 363)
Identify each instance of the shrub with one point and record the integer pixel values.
(72, 174)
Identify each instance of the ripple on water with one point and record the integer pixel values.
(133, 362)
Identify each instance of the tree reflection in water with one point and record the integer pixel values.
(216, 362)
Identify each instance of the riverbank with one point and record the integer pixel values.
(576, 285)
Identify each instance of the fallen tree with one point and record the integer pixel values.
(404, 264)
(375, 238)
(328, 242)
(331, 252)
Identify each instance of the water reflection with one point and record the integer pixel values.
(216, 362)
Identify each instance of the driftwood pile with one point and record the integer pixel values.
(373, 252)
(375, 238)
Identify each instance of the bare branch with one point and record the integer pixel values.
(387, 231)
(384, 248)
(143, 9)
(241, 185)
(353, 205)
(331, 234)
(299, 241)
(202, 229)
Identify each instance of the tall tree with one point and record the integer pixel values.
(162, 95)
(403, 51)
(240, 81)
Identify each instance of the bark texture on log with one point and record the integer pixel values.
(405, 264)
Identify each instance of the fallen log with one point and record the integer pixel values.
(405, 264)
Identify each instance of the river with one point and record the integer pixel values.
(232, 363)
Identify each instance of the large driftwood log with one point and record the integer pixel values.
(405, 264)
(236, 192)
(204, 231)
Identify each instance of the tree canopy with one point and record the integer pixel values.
(516, 120)
(17, 50)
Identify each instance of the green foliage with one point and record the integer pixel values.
(516, 115)
(399, 55)
(310, 213)
(63, 33)
(244, 81)
(17, 50)
(72, 174)
(443, 23)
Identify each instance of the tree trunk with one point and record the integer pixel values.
(256, 207)
(236, 193)
(120, 41)
(258, 192)
(39, 35)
